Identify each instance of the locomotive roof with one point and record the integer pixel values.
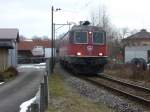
(85, 27)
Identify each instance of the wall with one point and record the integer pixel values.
(12, 56)
(3, 59)
(48, 52)
(136, 52)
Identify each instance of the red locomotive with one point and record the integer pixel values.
(83, 49)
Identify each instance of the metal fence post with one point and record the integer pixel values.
(46, 90)
(42, 98)
(34, 107)
(49, 66)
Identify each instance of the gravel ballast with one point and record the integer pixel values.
(100, 95)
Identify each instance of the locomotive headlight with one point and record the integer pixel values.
(100, 54)
(90, 33)
(79, 53)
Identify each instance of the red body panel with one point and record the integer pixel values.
(68, 48)
(86, 50)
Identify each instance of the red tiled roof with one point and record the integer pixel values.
(30, 44)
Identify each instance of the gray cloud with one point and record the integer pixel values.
(33, 17)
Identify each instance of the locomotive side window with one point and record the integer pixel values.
(80, 37)
(98, 37)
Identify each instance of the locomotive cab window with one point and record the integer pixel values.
(80, 37)
(98, 38)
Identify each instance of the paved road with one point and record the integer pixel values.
(22, 88)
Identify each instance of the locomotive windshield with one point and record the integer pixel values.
(80, 37)
(98, 37)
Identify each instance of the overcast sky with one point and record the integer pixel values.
(33, 17)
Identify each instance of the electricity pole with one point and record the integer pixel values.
(52, 40)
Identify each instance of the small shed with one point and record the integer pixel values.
(8, 48)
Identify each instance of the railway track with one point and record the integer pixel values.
(135, 92)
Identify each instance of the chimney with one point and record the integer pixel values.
(143, 30)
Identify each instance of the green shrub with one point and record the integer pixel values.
(1, 77)
(12, 70)
(128, 71)
(8, 73)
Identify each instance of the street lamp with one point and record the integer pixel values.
(52, 38)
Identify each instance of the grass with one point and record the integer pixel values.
(128, 71)
(64, 98)
(56, 86)
(8, 74)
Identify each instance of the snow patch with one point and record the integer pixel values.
(26, 66)
(24, 106)
(36, 66)
(42, 64)
(1, 83)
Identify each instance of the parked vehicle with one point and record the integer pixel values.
(38, 51)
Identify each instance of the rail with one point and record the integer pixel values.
(137, 93)
(124, 83)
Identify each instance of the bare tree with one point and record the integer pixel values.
(124, 32)
(100, 17)
(45, 37)
(134, 31)
(103, 18)
(93, 18)
(21, 37)
(36, 37)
